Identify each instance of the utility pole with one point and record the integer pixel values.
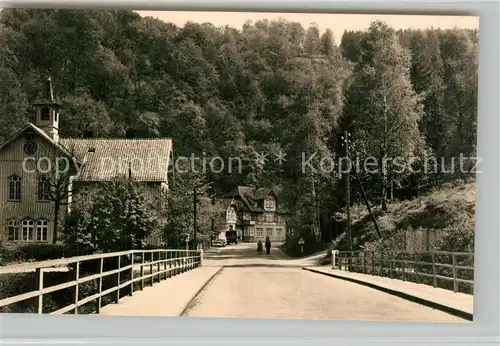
(347, 143)
(195, 226)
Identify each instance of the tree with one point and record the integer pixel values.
(13, 99)
(82, 116)
(188, 191)
(112, 216)
(312, 39)
(427, 78)
(383, 109)
(327, 43)
(54, 185)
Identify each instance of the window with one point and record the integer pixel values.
(42, 230)
(13, 230)
(269, 232)
(260, 232)
(269, 217)
(231, 214)
(279, 232)
(269, 204)
(43, 189)
(247, 216)
(260, 218)
(15, 188)
(45, 113)
(28, 230)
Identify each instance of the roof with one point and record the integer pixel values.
(251, 197)
(105, 159)
(37, 130)
(148, 159)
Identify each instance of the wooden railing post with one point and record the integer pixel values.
(132, 273)
(118, 279)
(455, 282)
(403, 265)
(167, 271)
(391, 261)
(373, 264)
(163, 264)
(151, 259)
(415, 268)
(77, 288)
(178, 261)
(381, 265)
(99, 300)
(434, 279)
(169, 263)
(159, 266)
(143, 255)
(364, 262)
(39, 284)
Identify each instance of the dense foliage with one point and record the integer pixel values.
(271, 86)
(111, 216)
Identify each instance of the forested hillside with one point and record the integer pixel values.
(269, 87)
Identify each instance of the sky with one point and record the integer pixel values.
(335, 22)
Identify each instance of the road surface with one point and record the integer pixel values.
(262, 286)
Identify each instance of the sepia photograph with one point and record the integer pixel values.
(238, 164)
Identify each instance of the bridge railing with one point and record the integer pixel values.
(448, 270)
(95, 277)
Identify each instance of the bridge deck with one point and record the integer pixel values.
(282, 292)
(166, 298)
(457, 301)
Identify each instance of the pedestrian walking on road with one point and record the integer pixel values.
(268, 245)
(259, 246)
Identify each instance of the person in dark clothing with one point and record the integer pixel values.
(259, 246)
(268, 245)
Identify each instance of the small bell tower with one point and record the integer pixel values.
(47, 112)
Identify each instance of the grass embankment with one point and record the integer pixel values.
(442, 219)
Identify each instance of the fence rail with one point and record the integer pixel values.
(128, 271)
(448, 270)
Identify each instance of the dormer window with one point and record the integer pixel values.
(45, 114)
(231, 214)
(269, 204)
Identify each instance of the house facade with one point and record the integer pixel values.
(255, 213)
(33, 157)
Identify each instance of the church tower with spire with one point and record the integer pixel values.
(47, 112)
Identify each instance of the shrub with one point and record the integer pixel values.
(38, 252)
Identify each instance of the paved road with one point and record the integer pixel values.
(246, 287)
(246, 255)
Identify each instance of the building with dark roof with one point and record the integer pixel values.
(255, 213)
(26, 213)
